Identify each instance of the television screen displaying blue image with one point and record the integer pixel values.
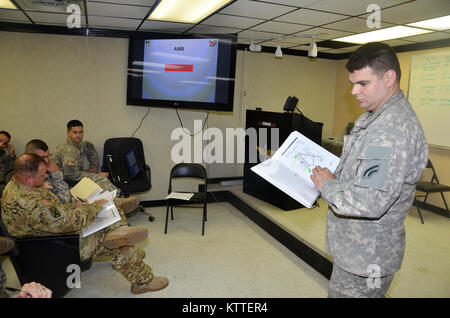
(195, 72)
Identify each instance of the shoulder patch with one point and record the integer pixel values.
(54, 212)
(375, 162)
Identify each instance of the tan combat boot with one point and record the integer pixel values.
(125, 236)
(157, 283)
(127, 204)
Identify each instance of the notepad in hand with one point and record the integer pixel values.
(86, 189)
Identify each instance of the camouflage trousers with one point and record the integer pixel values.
(347, 285)
(124, 259)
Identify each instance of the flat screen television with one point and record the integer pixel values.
(182, 71)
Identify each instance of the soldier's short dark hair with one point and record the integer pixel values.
(3, 132)
(28, 163)
(34, 145)
(74, 123)
(380, 57)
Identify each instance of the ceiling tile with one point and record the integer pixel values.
(147, 3)
(415, 11)
(207, 29)
(351, 7)
(310, 17)
(248, 34)
(107, 22)
(12, 15)
(32, 5)
(280, 27)
(231, 21)
(325, 34)
(254, 9)
(294, 3)
(354, 25)
(52, 18)
(116, 10)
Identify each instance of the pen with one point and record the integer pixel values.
(17, 291)
(81, 199)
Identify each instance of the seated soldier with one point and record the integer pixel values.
(7, 157)
(29, 209)
(71, 156)
(55, 181)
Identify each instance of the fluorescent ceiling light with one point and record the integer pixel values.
(382, 35)
(437, 24)
(187, 11)
(7, 4)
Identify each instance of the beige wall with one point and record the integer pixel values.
(348, 110)
(46, 80)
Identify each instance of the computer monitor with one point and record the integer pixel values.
(134, 167)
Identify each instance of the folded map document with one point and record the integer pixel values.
(90, 191)
(107, 216)
(290, 168)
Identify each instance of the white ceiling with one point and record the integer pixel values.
(267, 20)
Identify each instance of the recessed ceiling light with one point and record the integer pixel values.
(437, 24)
(187, 11)
(7, 4)
(382, 35)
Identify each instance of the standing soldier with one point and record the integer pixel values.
(374, 184)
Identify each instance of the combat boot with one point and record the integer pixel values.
(6, 244)
(127, 204)
(125, 236)
(157, 283)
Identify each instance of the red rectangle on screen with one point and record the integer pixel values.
(178, 67)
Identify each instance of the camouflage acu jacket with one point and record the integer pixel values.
(70, 158)
(381, 162)
(56, 184)
(38, 212)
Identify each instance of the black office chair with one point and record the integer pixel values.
(189, 170)
(45, 260)
(117, 148)
(431, 187)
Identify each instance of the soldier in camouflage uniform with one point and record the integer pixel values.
(70, 158)
(373, 187)
(29, 209)
(7, 157)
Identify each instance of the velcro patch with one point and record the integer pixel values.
(54, 212)
(375, 164)
(48, 185)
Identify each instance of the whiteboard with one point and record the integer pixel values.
(429, 95)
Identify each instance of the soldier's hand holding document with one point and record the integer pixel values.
(290, 168)
(88, 190)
